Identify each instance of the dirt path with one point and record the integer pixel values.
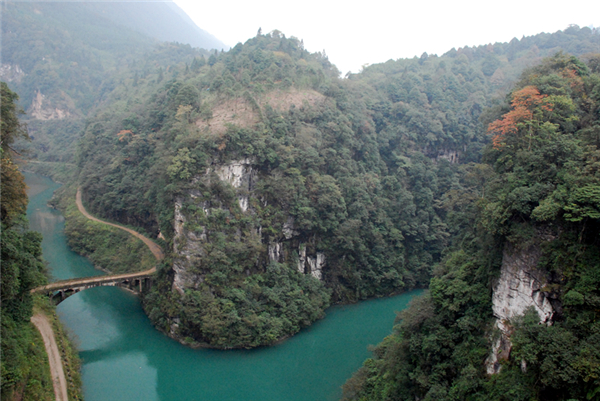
(56, 368)
(155, 249)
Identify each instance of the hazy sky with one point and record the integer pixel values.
(367, 32)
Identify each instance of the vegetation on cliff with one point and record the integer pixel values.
(541, 175)
(25, 372)
(353, 188)
(411, 173)
(369, 171)
(65, 58)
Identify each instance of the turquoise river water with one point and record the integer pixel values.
(125, 358)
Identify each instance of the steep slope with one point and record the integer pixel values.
(64, 57)
(162, 20)
(512, 311)
(259, 165)
(25, 372)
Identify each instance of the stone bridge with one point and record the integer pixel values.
(61, 290)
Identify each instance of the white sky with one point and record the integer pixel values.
(373, 31)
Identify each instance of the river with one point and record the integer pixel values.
(125, 358)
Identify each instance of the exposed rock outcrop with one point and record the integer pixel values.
(240, 175)
(519, 287)
(186, 245)
(451, 155)
(11, 73)
(42, 111)
(311, 264)
(191, 236)
(244, 112)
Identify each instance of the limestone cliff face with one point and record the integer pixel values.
(11, 73)
(519, 287)
(191, 235)
(42, 110)
(240, 175)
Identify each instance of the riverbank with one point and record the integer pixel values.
(63, 356)
(125, 358)
(112, 248)
(63, 361)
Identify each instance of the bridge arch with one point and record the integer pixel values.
(61, 290)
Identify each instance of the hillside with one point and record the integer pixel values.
(512, 309)
(279, 188)
(63, 58)
(269, 176)
(25, 371)
(161, 20)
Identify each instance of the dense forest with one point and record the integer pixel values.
(278, 188)
(25, 373)
(541, 188)
(64, 58)
(359, 171)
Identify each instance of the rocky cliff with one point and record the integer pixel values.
(521, 286)
(192, 235)
(44, 110)
(237, 282)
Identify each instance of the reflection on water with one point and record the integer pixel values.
(125, 358)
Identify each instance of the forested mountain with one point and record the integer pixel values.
(512, 312)
(25, 373)
(64, 57)
(279, 188)
(162, 20)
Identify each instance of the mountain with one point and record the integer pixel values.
(265, 172)
(512, 308)
(25, 372)
(278, 188)
(63, 57)
(162, 20)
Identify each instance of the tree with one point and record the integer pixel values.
(22, 267)
(13, 201)
(527, 107)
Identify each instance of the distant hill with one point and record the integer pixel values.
(78, 43)
(62, 58)
(162, 20)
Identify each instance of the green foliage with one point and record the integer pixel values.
(25, 370)
(66, 58)
(109, 248)
(23, 359)
(179, 168)
(542, 182)
(66, 345)
(366, 174)
(261, 310)
(11, 128)
(14, 199)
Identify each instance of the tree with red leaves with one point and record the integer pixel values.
(527, 107)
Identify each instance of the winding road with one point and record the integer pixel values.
(154, 248)
(40, 320)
